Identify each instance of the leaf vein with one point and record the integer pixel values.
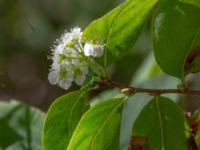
(161, 124)
(104, 123)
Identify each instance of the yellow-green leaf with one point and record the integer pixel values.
(62, 119)
(120, 28)
(99, 127)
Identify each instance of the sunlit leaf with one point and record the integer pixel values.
(162, 124)
(120, 28)
(99, 127)
(62, 119)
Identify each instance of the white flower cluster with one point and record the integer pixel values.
(70, 59)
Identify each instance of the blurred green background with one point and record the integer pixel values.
(28, 29)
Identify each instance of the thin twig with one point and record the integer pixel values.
(153, 92)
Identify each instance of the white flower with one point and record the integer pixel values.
(66, 38)
(52, 77)
(68, 64)
(65, 84)
(93, 50)
(84, 70)
(76, 33)
(80, 79)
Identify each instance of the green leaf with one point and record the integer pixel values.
(194, 2)
(120, 28)
(99, 127)
(148, 74)
(20, 124)
(62, 119)
(162, 124)
(176, 33)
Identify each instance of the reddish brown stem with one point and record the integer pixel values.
(153, 92)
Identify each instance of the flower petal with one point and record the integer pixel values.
(79, 80)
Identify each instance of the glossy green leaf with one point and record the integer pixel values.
(162, 124)
(99, 127)
(62, 119)
(176, 33)
(20, 126)
(120, 28)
